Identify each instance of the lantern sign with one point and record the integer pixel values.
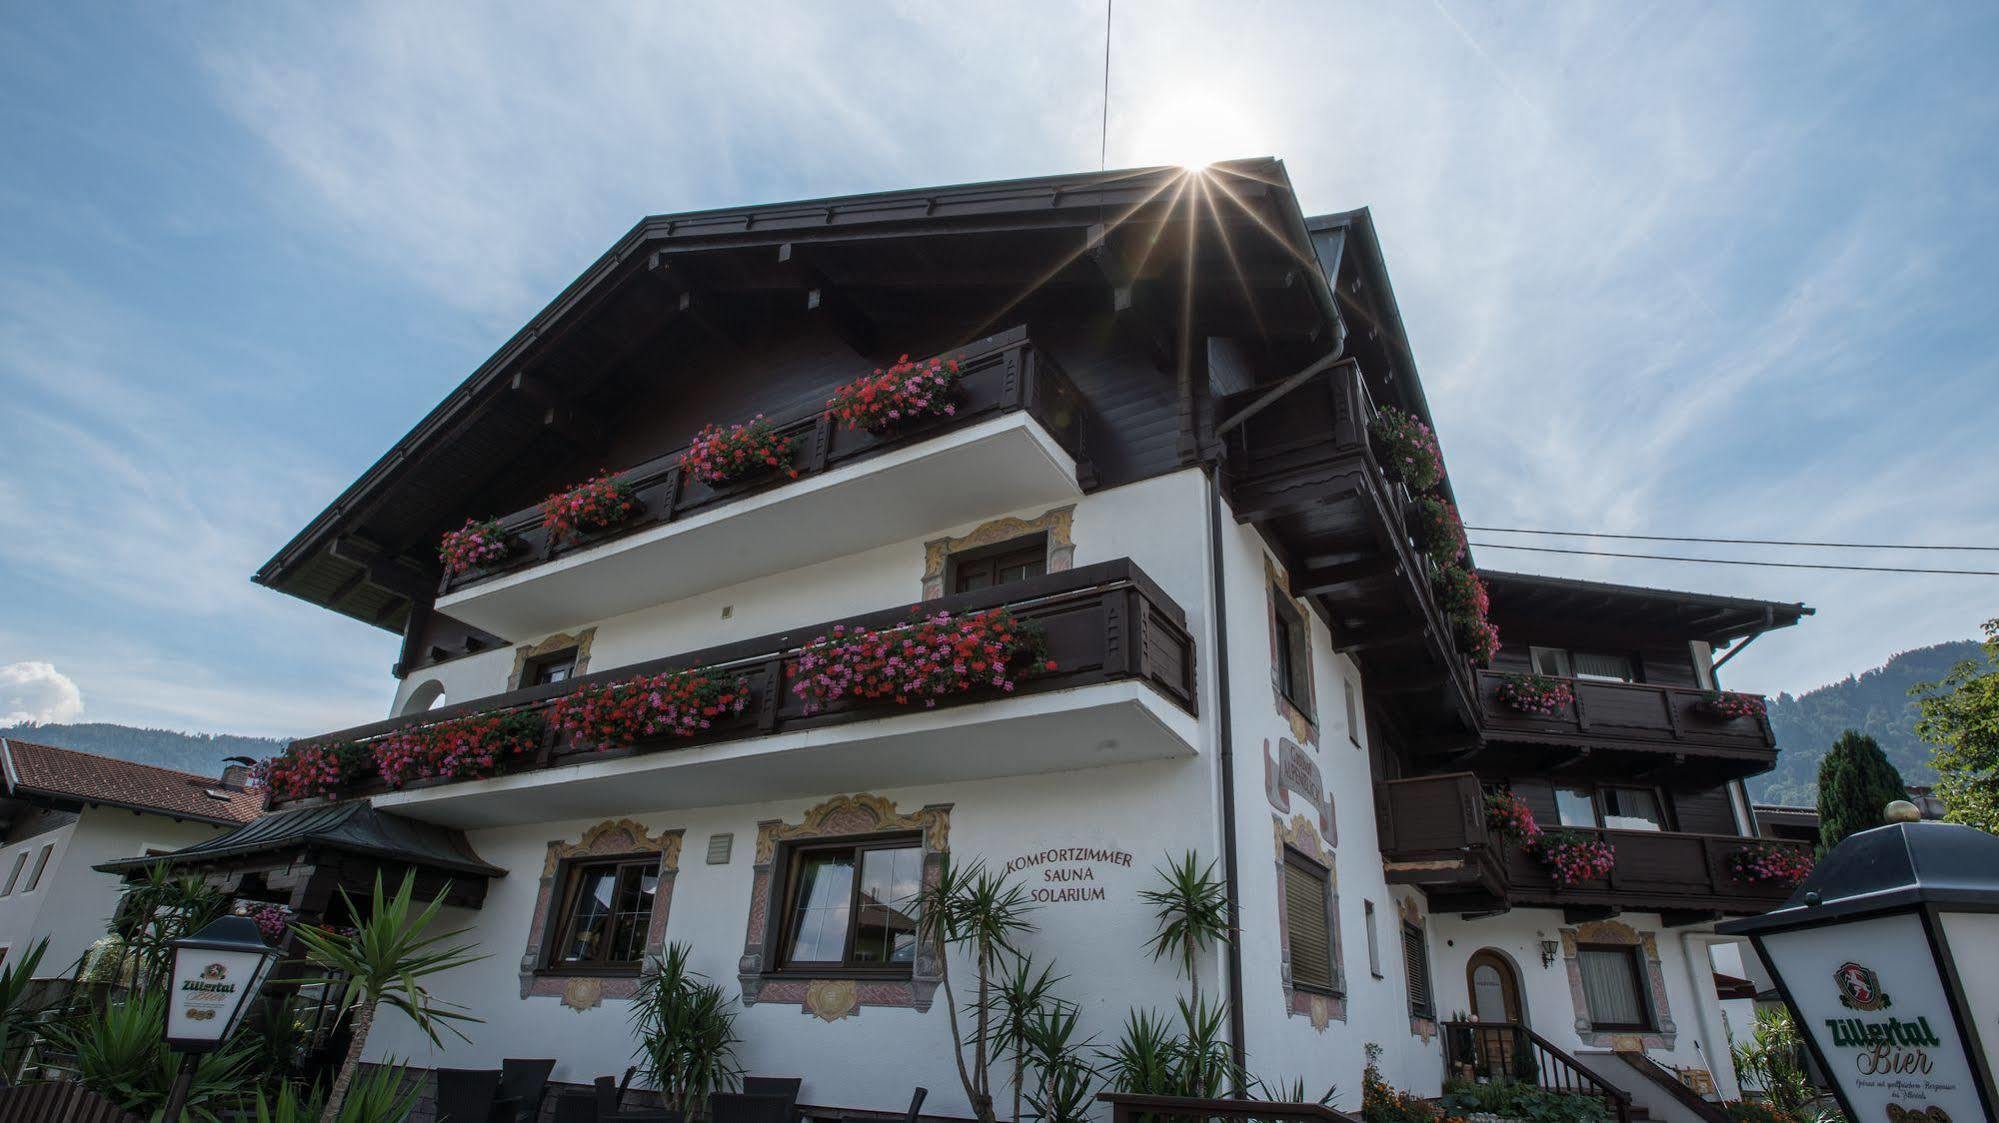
(1888, 957)
(217, 971)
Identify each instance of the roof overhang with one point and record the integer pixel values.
(1693, 616)
(354, 827)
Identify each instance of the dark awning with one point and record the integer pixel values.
(354, 827)
(1694, 616)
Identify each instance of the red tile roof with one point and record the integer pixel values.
(71, 776)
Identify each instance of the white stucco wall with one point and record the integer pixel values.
(72, 905)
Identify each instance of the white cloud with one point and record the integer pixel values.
(37, 693)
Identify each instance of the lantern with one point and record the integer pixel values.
(216, 972)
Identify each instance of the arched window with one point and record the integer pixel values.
(429, 696)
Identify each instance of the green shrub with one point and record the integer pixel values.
(1522, 1101)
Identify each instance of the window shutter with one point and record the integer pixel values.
(1305, 924)
(1416, 963)
(1614, 667)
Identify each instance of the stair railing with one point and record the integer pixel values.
(1508, 1052)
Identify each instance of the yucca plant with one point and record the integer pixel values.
(1020, 996)
(1155, 1057)
(383, 1094)
(19, 1008)
(686, 1032)
(1065, 1082)
(1191, 910)
(385, 961)
(155, 910)
(121, 1054)
(985, 914)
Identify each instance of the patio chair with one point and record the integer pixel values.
(466, 1095)
(611, 1096)
(785, 1087)
(526, 1083)
(910, 1116)
(742, 1107)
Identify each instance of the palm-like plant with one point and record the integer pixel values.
(1022, 996)
(384, 1094)
(385, 961)
(1191, 909)
(155, 910)
(18, 1008)
(1154, 1057)
(1065, 1082)
(985, 913)
(686, 1031)
(121, 1054)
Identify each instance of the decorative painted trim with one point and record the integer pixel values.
(1409, 910)
(1300, 836)
(1293, 771)
(612, 837)
(832, 999)
(560, 641)
(1058, 523)
(1303, 727)
(1618, 933)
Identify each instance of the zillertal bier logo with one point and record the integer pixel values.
(1860, 988)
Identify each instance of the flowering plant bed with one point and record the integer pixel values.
(593, 505)
(934, 657)
(463, 748)
(1573, 857)
(272, 922)
(1538, 695)
(1461, 594)
(1479, 640)
(1406, 448)
(310, 768)
(1725, 705)
(672, 704)
(476, 544)
(893, 397)
(1438, 529)
(1509, 817)
(718, 456)
(1763, 863)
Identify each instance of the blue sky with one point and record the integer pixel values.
(1678, 268)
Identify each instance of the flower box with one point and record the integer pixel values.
(931, 658)
(1438, 529)
(895, 397)
(672, 704)
(1765, 864)
(1406, 448)
(479, 544)
(1726, 705)
(1573, 857)
(1461, 594)
(1537, 695)
(745, 451)
(311, 768)
(597, 504)
(463, 748)
(1509, 817)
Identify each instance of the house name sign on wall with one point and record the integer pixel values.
(1067, 874)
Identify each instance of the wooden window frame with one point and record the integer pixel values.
(1412, 935)
(1568, 658)
(532, 669)
(562, 905)
(1373, 939)
(1013, 551)
(1641, 982)
(1667, 820)
(1291, 653)
(1296, 859)
(785, 880)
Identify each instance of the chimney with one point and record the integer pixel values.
(236, 776)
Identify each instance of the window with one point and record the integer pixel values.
(1623, 809)
(1592, 666)
(1549, 661)
(1010, 562)
(852, 905)
(1373, 941)
(605, 913)
(1614, 987)
(1576, 807)
(1416, 962)
(1292, 669)
(14, 875)
(1353, 711)
(1308, 926)
(558, 666)
(41, 864)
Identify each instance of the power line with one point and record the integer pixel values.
(1104, 133)
(1741, 561)
(1728, 541)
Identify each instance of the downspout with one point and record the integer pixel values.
(1225, 752)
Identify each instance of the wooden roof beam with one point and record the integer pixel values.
(690, 301)
(830, 304)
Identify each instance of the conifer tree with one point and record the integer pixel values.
(1856, 783)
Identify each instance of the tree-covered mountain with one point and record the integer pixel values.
(200, 753)
(1875, 702)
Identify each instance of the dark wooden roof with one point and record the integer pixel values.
(891, 258)
(1693, 616)
(353, 827)
(65, 778)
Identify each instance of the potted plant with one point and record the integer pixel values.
(1478, 639)
(1509, 817)
(747, 450)
(1574, 857)
(1766, 863)
(596, 504)
(322, 768)
(1406, 448)
(672, 704)
(931, 658)
(1438, 529)
(476, 545)
(466, 748)
(894, 397)
(1461, 594)
(1536, 695)
(1727, 705)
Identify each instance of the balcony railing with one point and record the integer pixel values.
(1002, 374)
(1639, 715)
(1434, 833)
(1100, 623)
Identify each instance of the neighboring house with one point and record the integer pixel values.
(66, 811)
(1159, 454)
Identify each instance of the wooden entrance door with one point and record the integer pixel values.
(1494, 987)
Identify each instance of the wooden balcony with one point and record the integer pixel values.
(1016, 439)
(1434, 834)
(1612, 721)
(1304, 469)
(1123, 691)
